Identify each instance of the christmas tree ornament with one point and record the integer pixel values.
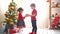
(11, 23)
(11, 7)
(11, 19)
(52, 16)
(15, 20)
(7, 18)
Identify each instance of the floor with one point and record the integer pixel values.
(39, 31)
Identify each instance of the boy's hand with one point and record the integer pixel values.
(27, 15)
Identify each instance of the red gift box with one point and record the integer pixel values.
(12, 31)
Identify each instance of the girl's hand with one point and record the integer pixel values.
(27, 15)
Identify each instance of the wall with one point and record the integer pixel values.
(42, 8)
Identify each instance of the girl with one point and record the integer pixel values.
(20, 23)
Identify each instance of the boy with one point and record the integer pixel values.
(33, 18)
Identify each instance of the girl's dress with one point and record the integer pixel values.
(20, 20)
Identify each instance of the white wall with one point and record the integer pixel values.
(42, 10)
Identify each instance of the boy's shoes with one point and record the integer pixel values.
(32, 33)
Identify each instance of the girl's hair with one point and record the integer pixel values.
(19, 9)
(33, 5)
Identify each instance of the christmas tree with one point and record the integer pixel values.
(11, 15)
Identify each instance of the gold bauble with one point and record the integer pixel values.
(15, 20)
(12, 23)
(12, 7)
(14, 14)
(7, 18)
(11, 20)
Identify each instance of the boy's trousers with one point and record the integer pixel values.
(34, 26)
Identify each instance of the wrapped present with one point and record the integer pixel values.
(12, 31)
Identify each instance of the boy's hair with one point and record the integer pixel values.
(19, 9)
(33, 5)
